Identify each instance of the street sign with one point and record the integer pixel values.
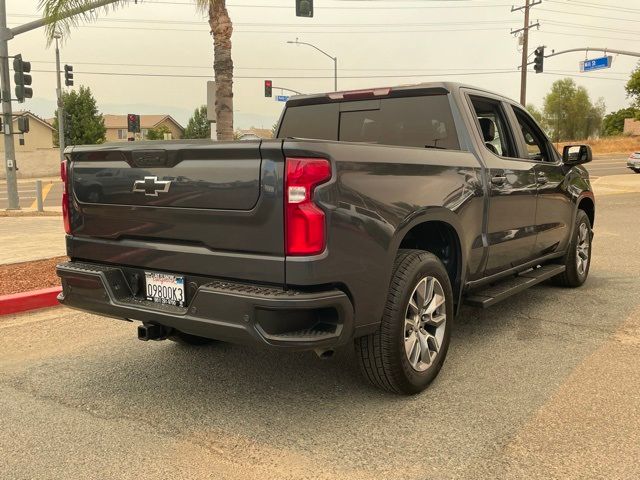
(596, 63)
(282, 98)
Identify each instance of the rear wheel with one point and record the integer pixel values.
(407, 351)
(577, 260)
(187, 339)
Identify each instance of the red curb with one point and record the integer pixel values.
(22, 302)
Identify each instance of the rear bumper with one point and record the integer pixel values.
(228, 311)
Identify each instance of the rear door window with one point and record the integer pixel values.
(423, 122)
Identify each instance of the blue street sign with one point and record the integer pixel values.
(282, 98)
(596, 63)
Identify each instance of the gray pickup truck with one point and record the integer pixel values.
(370, 219)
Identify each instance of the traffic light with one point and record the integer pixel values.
(268, 86)
(133, 123)
(538, 61)
(21, 69)
(304, 8)
(68, 75)
(23, 124)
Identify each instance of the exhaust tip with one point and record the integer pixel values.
(324, 353)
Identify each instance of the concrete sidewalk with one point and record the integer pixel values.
(23, 239)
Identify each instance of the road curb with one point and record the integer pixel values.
(25, 301)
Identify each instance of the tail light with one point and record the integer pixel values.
(305, 229)
(64, 176)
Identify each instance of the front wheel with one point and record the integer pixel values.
(577, 260)
(407, 351)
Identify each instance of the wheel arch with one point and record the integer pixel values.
(587, 204)
(439, 232)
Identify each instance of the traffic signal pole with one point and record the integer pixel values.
(60, 104)
(7, 114)
(594, 49)
(7, 34)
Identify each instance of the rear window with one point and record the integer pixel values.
(411, 122)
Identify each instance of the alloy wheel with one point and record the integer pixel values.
(582, 249)
(425, 323)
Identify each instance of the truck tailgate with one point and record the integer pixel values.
(192, 207)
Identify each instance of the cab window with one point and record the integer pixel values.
(534, 139)
(493, 127)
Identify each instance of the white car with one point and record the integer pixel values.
(633, 162)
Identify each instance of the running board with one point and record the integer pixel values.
(512, 285)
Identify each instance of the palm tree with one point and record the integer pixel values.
(221, 30)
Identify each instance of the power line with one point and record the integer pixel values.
(553, 32)
(590, 15)
(590, 27)
(295, 25)
(285, 77)
(330, 7)
(209, 67)
(610, 8)
(288, 32)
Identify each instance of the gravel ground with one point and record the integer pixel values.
(542, 386)
(22, 277)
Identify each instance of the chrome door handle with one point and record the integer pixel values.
(542, 178)
(498, 179)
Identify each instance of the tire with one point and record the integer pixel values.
(383, 355)
(637, 170)
(187, 339)
(576, 273)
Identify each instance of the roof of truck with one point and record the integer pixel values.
(379, 92)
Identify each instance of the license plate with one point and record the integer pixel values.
(164, 288)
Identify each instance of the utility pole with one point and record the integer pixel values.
(525, 47)
(7, 34)
(60, 104)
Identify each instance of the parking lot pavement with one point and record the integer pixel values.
(31, 238)
(544, 385)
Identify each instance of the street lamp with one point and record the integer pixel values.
(335, 60)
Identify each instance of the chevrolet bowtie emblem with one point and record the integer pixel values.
(151, 186)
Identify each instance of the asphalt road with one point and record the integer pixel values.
(544, 385)
(604, 165)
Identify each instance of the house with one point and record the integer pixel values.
(117, 126)
(631, 127)
(253, 133)
(39, 136)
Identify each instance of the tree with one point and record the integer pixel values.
(633, 87)
(535, 113)
(157, 133)
(83, 124)
(569, 113)
(613, 124)
(221, 29)
(198, 125)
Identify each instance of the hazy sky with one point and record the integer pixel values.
(378, 43)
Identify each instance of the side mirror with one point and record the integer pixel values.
(576, 154)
